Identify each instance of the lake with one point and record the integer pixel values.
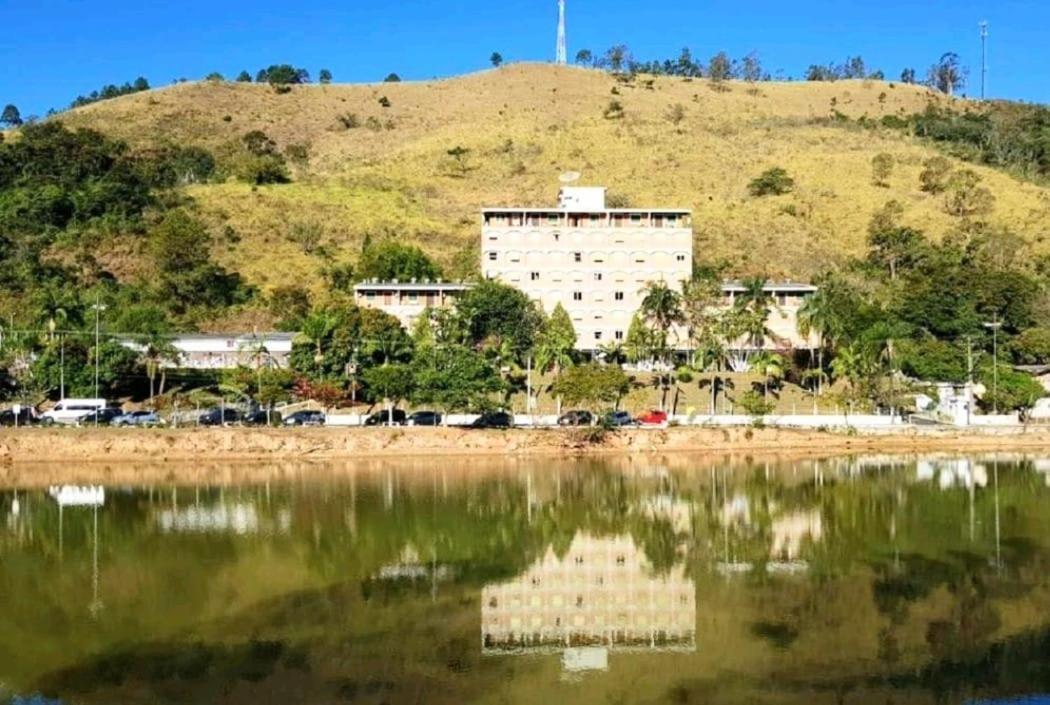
(619, 580)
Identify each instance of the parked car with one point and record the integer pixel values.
(382, 418)
(305, 418)
(494, 419)
(263, 417)
(424, 418)
(219, 417)
(653, 418)
(619, 419)
(576, 418)
(70, 411)
(137, 418)
(101, 417)
(26, 416)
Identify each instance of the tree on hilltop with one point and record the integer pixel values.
(11, 117)
(496, 59)
(325, 76)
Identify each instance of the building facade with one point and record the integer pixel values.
(406, 301)
(593, 260)
(788, 298)
(602, 593)
(202, 351)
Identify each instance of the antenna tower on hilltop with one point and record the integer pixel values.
(984, 57)
(562, 56)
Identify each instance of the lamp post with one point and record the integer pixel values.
(99, 308)
(994, 325)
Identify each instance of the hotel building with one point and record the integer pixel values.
(594, 261)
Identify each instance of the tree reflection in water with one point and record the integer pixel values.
(679, 579)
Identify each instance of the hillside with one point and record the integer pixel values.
(524, 125)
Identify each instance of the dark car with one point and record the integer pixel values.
(305, 418)
(619, 419)
(263, 417)
(26, 416)
(424, 418)
(576, 418)
(382, 418)
(494, 419)
(219, 417)
(102, 417)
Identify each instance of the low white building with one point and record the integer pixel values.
(203, 351)
(406, 301)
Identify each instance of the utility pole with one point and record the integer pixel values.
(969, 378)
(994, 326)
(984, 57)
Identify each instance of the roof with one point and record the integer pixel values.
(585, 211)
(778, 287)
(414, 286)
(234, 336)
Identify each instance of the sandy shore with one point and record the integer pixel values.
(39, 457)
(38, 445)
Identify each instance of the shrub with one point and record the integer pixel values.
(349, 121)
(772, 182)
(755, 404)
(614, 110)
(882, 169)
(385, 102)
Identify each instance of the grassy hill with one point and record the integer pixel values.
(524, 125)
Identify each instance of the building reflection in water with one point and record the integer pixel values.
(601, 596)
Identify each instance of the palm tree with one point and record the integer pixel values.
(662, 307)
(317, 328)
(771, 368)
(158, 348)
(817, 315)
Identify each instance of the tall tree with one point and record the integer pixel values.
(496, 59)
(947, 75)
(721, 67)
(325, 76)
(10, 116)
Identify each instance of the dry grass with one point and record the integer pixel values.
(525, 124)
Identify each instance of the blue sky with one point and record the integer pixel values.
(52, 50)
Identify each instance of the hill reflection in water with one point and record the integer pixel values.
(677, 579)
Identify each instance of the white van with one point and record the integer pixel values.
(69, 411)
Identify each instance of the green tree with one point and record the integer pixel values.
(934, 176)
(1031, 347)
(493, 314)
(1010, 390)
(639, 344)
(556, 342)
(392, 261)
(325, 76)
(772, 182)
(10, 116)
(496, 59)
(392, 78)
(283, 75)
(892, 246)
(454, 378)
(584, 57)
(244, 77)
(770, 367)
(289, 305)
(966, 197)
(389, 383)
(592, 387)
(882, 169)
(186, 275)
(661, 307)
(154, 336)
(721, 67)
(947, 75)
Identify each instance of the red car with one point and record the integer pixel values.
(653, 418)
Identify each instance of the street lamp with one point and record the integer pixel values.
(99, 308)
(994, 326)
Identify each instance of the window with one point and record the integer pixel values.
(552, 218)
(597, 335)
(535, 276)
(597, 276)
(413, 297)
(619, 335)
(577, 256)
(639, 260)
(492, 257)
(618, 296)
(782, 299)
(577, 296)
(680, 258)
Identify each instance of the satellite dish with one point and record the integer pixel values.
(569, 177)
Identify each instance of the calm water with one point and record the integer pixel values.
(620, 581)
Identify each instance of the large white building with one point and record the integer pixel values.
(593, 260)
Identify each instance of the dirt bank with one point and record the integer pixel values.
(80, 446)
